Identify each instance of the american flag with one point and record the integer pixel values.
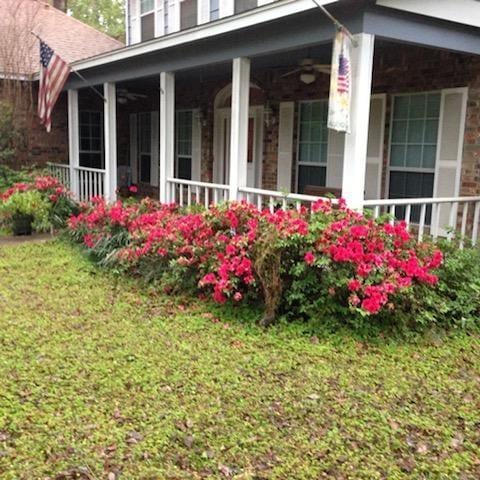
(343, 81)
(53, 75)
(340, 84)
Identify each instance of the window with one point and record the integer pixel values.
(91, 139)
(184, 144)
(145, 146)
(147, 19)
(214, 9)
(312, 144)
(244, 5)
(413, 147)
(188, 14)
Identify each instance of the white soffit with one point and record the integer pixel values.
(466, 12)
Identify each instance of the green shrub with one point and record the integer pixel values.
(455, 301)
(27, 203)
(8, 177)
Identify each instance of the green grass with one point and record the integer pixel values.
(102, 375)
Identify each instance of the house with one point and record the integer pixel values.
(19, 62)
(228, 99)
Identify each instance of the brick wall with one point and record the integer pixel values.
(397, 69)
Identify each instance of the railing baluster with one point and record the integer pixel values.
(189, 195)
(408, 212)
(259, 201)
(421, 227)
(452, 221)
(215, 197)
(270, 203)
(392, 213)
(476, 217)
(437, 222)
(284, 203)
(298, 205)
(463, 228)
(206, 198)
(197, 194)
(376, 211)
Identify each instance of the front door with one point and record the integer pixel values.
(255, 146)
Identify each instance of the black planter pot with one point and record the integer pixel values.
(22, 224)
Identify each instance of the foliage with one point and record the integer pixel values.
(329, 261)
(105, 15)
(107, 377)
(8, 177)
(11, 135)
(455, 302)
(42, 198)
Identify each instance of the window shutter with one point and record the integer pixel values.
(285, 146)
(203, 11)
(226, 8)
(155, 150)
(134, 147)
(134, 22)
(375, 146)
(449, 149)
(196, 146)
(336, 150)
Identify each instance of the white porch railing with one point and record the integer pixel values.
(189, 192)
(90, 183)
(61, 172)
(455, 216)
(272, 199)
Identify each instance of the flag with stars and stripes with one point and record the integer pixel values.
(53, 75)
(340, 84)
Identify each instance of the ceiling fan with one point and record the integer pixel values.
(308, 70)
(124, 96)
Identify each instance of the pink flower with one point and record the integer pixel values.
(309, 258)
(354, 285)
(238, 296)
(133, 189)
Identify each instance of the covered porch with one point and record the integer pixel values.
(229, 121)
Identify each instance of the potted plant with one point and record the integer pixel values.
(25, 211)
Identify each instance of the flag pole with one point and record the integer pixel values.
(80, 76)
(337, 24)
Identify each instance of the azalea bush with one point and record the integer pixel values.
(308, 262)
(43, 199)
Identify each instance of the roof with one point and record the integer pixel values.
(71, 39)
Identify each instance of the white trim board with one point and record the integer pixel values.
(466, 12)
(246, 19)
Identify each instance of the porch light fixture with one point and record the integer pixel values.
(307, 78)
(268, 115)
(202, 119)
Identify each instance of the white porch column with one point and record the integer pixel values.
(73, 141)
(167, 132)
(239, 126)
(110, 139)
(355, 156)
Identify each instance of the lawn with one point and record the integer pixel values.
(104, 379)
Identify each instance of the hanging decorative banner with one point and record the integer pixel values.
(340, 84)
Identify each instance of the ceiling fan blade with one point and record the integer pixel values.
(323, 68)
(291, 72)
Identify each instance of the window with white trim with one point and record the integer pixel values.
(91, 139)
(312, 144)
(184, 145)
(144, 147)
(147, 20)
(413, 147)
(214, 9)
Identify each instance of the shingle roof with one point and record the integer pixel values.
(69, 38)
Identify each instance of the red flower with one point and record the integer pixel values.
(309, 258)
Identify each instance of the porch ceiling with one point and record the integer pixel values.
(282, 42)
